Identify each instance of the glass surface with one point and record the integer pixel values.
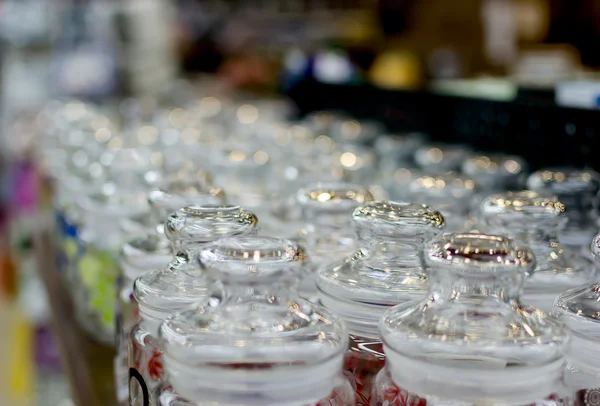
(327, 232)
(579, 309)
(578, 190)
(470, 341)
(536, 219)
(160, 293)
(449, 193)
(386, 270)
(494, 173)
(262, 345)
(439, 158)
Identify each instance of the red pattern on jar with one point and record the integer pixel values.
(362, 362)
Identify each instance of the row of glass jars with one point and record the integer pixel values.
(476, 299)
(323, 221)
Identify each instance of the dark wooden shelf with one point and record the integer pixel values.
(88, 364)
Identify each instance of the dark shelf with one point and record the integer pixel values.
(533, 127)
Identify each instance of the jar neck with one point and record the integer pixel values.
(405, 251)
(450, 286)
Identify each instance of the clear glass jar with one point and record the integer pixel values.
(449, 193)
(327, 233)
(395, 152)
(160, 293)
(440, 158)
(93, 272)
(469, 341)
(354, 163)
(152, 251)
(494, 173)
(263, 345)
(536, 219)
(386, 270)
(578, 189)
(579, 310)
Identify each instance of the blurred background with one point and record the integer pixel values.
(440, 66)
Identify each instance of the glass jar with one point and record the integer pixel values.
(469, 341)
(263, 345)
(440, 158)
(395, 152)
(449, 193)
(327, 233)
(354, 163)
(152, 251)
(160, 293)
(494, 173)
(536, 219)
(93, 272)
(386, 270)
(578, 190)
(579, 310)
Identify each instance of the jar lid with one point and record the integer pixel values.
(385, 273)
(353, 158)
(260, 348)
(493, 164)
(177, 192)
(564, 181)
(356, 131)
(399, 145)
(469, 339)
(530, 216)
(200, 224)
(143, 254)
(253, 260)
(162, 292)
(524, 210)
(333, 197)
(441, 157)
(449, 192)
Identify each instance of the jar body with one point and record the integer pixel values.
(583, 385)
(387, 393)
(146, 372)
(93, 275)
(126, 317)
(342, 395)
(362, 362)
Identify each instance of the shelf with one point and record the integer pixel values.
(88, 365)
(531, 126)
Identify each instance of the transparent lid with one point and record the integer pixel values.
(399, 146)
(326, 210)
(524, 210)
(441, 157)
(388, 267)
(577, 189)
(535, 219)
(200, 224)
(579, 309)
(253, 260)
(356, 131)
(495, 171)
(146, 253)
(176, 192)
(471, 330)
(258, 348)
(160, 293)
(448, 189)
(333, 198)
